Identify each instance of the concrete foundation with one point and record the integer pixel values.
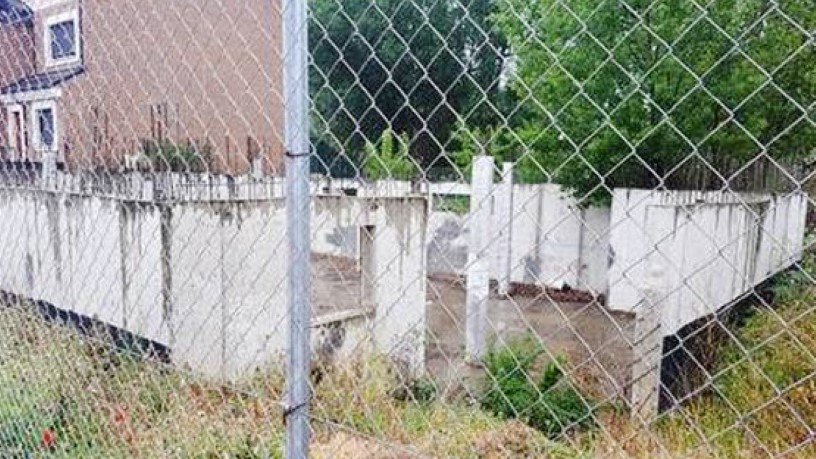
(207, 279)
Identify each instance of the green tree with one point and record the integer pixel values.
(648, 93)
(415, 67)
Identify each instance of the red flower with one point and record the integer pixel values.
(119, 415)
(48, 438)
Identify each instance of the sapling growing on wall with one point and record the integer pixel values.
(389, 158)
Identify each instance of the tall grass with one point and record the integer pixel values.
(761, 399)
(66, 396)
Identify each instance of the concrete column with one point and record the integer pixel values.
(478, 269)
(368, 266)
(648, 349)
(394, 278)
(504, 223)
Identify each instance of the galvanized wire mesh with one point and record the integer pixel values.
(539, 228)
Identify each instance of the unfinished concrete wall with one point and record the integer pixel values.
(208, 279)
(228, 264)
(711, 247)
(554, 242)
(388, 235)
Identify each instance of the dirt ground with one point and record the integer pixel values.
(593, 339)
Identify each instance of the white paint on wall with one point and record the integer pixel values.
(141, 246)
(399, 322)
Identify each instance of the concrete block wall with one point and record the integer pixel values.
(228, 265)
(398, 277)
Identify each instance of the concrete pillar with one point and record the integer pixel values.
(503, 221)
(647, 346)
(368, 266)
(478, 269)
(392, 255)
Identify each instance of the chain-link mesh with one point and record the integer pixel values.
(538, 228)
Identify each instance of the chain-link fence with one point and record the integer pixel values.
(407, 228)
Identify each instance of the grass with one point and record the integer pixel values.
(94, 402)
(64, 396)
(760, 400)
(762, 397)
(543, 398)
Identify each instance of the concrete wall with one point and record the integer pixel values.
(391, 251)
(710, 247)
(208, 279)
(553, 241)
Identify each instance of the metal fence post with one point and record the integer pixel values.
(296, 103)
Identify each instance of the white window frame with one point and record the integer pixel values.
(53, 20)
(11, 110)
(36, 140)
(37, 5)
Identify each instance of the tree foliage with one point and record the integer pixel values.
(414, 67)
(647, 93)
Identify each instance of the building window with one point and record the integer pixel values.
(45, 126)
(45, 119)
(62, 39)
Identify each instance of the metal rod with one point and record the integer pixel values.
(296, 138)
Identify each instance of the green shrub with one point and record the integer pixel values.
(423, 390)
(547, 402)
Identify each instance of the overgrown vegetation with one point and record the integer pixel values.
(762, 399)
(66, 397)
(63, 396)
(389, 158)
(547, 401)
(167, 156)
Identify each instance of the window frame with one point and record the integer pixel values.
(36, 136)
(12, 133)
(51, 21)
